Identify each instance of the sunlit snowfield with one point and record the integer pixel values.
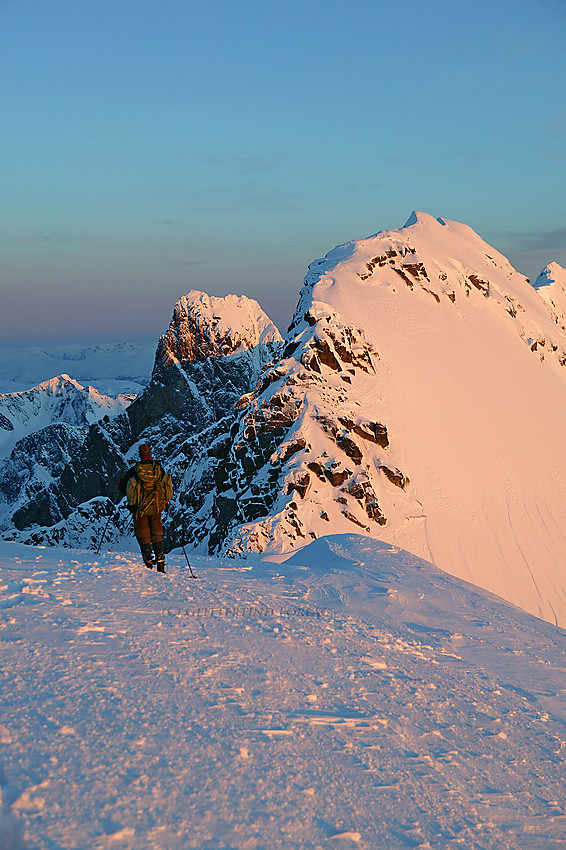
(353, 696)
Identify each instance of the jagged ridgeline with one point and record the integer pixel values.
(247, 425)
(58, 484)
(419, 397)
(304, 458)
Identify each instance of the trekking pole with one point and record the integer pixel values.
(187, 560)
(103, 535)
(176, 523)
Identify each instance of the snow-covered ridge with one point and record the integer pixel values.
(467, 380)
(335, 468)
(446, 259)
(206, 326)
(60, 399)
(418, 399)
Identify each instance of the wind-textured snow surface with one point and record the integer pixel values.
(353, 696)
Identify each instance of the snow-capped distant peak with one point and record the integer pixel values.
(112, 368)
(552, 273)
(60, 399)
(551, 285)
(63, 386)
(58, 385)
(206, 326)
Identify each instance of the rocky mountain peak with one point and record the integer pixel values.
(418, 398)
(205, 326)
(308, 455)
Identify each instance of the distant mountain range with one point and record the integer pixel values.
(418, 397)
(113, 368)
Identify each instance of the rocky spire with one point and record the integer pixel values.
(205, 326)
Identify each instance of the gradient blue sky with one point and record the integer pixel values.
(153, 146)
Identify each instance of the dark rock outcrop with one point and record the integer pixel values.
(200, 373)
(34, 465)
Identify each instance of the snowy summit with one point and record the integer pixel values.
(421, 392)
(338, 673)
(205, 326)
(551, 284)
(418, 398)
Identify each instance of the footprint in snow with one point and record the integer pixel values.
(17, 592)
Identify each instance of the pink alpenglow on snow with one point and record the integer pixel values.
(551, 285)
(417, 712)
(208, 326)
(467, 376)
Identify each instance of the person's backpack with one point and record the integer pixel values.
(149, 488)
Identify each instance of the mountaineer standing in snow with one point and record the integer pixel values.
(148, 489)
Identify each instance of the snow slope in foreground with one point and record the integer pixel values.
(353, 696)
